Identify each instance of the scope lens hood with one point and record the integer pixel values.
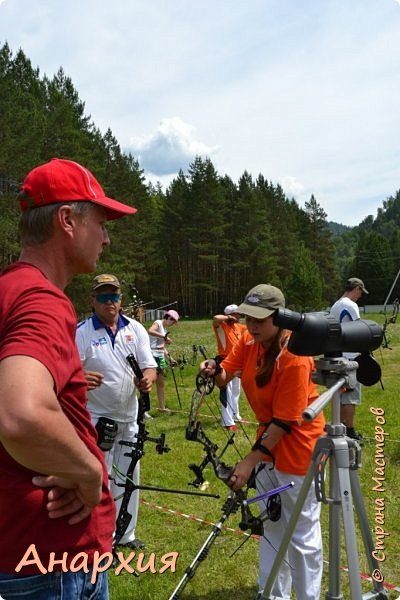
(369, 370)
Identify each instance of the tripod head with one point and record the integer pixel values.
(334, 373)
(329, 369)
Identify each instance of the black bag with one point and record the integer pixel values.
(106, 432)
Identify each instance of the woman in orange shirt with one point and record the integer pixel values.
(278, 387)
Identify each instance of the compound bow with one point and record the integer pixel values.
(195, 433)
(390, 321)
(136, 452)
(236, 499)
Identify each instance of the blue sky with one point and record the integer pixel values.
(306, 93)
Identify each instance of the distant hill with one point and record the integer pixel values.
(338, 228)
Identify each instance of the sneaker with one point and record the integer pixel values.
(147, 417)
(354, 435)
(134, 544)
(237, 417)
(231, 427)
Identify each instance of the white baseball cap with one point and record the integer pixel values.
(230, 309)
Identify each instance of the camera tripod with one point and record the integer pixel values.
(344, 456)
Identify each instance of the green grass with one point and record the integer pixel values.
(166, 530)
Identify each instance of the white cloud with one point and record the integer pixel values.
(170, 148)
(291, 186)
(308, 97)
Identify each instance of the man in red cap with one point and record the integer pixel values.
(56, 512)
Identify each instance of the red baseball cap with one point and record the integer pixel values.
(63, 180)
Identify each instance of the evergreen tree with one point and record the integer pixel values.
(374, 265)
(175, 244)
(304, 287)
(254, 253)
(22, 118)
(318, 239)
(206, 232)
(68, 130)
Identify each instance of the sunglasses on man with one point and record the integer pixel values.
(104, 298)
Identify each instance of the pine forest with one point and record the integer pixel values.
(203, 241)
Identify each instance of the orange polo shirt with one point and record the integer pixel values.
(289, 391)
(227, 334)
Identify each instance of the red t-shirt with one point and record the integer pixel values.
(38, 320)
(289, 391)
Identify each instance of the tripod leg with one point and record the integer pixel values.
(334, 592)
(366, 533)
(341, 458)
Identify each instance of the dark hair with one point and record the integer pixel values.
(351, 286)
(264, 373)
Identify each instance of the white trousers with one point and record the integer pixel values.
(127, 432)
(302, 565)
(231, 412)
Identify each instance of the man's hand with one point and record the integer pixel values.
(232, 319)
(65, 497)
(94, 379)
(145, 384)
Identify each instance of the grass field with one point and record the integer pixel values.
(169, 522)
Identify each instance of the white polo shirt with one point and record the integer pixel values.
(345, 310)
(105, 353)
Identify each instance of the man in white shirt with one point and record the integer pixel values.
(346, 309)
(104, 341)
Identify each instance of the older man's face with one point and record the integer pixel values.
(107, 303)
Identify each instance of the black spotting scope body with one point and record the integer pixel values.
(316, 333)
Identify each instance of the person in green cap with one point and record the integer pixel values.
(346, 309)
(278, 387)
